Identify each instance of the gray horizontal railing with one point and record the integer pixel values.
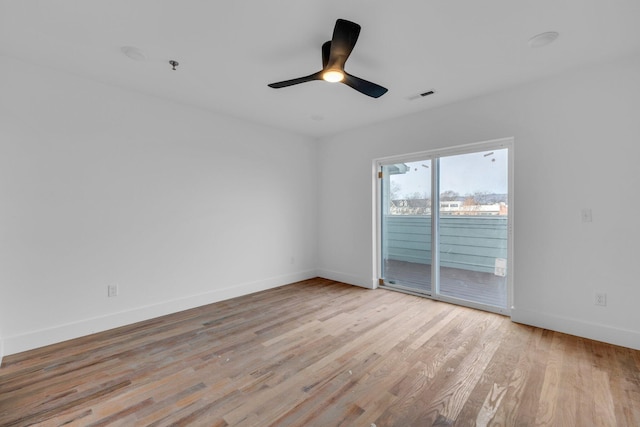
(466, 242)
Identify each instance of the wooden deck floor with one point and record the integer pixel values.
(484, 288)
(321, 353)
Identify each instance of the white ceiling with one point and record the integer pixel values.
(229, 50)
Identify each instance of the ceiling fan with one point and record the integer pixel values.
(334, 55)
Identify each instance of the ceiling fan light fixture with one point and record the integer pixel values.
(333, 76)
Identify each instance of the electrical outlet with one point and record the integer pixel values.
(600, 299)
(112, 291)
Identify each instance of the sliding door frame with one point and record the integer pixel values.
(434, 156)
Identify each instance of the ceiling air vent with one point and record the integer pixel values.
(422, 95)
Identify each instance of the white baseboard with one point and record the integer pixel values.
(580, 328)
(40, 338)
(347, 278)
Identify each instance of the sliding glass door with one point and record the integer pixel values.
(406, 225)
(444, 225)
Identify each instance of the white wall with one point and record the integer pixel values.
(178, 206)
(181, 207)
(576, 143)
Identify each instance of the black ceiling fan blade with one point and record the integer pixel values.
(326, 51)
(345, 36)
(285, 83)
(363, 86)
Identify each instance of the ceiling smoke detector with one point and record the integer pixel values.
(543, 39)
(133, 53)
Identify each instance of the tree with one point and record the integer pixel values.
(416, 196)
(394, 190)
(449, 195)
(470, 201)
(481, 198)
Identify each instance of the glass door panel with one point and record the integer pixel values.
(473, 227)
(406, 225)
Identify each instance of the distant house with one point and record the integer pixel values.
(450, 206)
(467, 209)
(447, 207)
(410, 207)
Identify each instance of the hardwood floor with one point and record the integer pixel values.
(321, 353)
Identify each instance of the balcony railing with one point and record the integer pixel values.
(471, 242)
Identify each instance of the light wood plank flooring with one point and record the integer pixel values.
(321, 353)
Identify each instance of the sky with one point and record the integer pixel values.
(485, 171)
